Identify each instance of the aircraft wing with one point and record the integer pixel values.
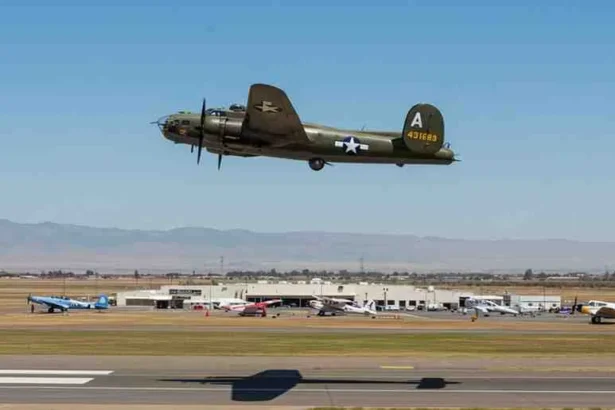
(338, 303)
(332, 308)
(54, 303)
(483, 309)
(270, 116)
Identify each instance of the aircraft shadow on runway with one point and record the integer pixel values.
(269, 384)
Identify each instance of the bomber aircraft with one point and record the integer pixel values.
(269, 126)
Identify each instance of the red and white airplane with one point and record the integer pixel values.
(251, 309)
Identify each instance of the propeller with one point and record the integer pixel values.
(575, 306)
(202, 132)
(219, 161)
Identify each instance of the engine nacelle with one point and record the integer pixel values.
(224, 126)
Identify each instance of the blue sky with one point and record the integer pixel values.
(526, 89)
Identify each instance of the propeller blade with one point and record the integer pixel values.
(202, 132)
(191, 148)
(219, 161)
(574, 306)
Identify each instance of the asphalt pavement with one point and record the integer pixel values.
(313, 381)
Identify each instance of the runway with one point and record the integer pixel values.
(270, 381)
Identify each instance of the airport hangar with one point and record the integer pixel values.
(298, 294)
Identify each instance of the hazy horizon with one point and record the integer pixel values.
(376, 233)
(58, 245)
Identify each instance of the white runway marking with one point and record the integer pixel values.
(58, 372)
(45, 380)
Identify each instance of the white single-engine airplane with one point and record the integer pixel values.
(487, 306)
(596, 309)
(334, 306)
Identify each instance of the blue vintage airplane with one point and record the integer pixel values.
(63, 303)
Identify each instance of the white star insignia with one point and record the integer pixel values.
(351, 145)
(267, 106)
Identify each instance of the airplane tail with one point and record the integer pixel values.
(424, 129)
(103, 302)
(470, 303)
(371, 305)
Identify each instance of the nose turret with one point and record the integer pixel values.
(180, 127)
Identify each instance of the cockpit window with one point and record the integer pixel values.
(185, 122)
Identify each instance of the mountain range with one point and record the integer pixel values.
(34, 247)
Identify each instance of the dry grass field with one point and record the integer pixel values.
(317, 343)
(118, 320)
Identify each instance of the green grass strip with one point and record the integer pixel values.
(256, 343)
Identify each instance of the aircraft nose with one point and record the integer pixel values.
(161, 122)
(167, 126)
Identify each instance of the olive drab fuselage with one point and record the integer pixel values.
(269, 126)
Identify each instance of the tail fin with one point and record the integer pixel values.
(103, 302)
(371, 305)
(424, 129)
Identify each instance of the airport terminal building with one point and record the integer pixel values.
(299, 294)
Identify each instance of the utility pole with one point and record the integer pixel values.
(221, 265)
(361, 266)
(211, 284)
(385, 298)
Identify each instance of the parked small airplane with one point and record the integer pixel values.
(64, 303)
(487, 306)
(324, 305)
(596, 309)
(251, 309)
(218, 303)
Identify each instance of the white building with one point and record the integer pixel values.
(535, 302)
(296, 294)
